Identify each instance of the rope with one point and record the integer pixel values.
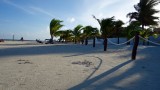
(121, 43)
(149, 41)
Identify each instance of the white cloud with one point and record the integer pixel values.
(30, 10)
(18, 6)
(40, 10)
(71, 20)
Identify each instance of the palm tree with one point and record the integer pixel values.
(67, 34)
(64, 35)
(144, 14)
(118, 27)
(59, 34)
(77, 33)
(55, 25)
(90, 32)
(146, 34)
(86, 33)
(131, 29)
(94, 34)
(106, 27)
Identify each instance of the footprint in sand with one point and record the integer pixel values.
(85, 63)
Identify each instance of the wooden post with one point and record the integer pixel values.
(134, 50)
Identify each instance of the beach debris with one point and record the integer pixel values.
(21, 61)
(39, 41)
(85, 63)
(1, 40)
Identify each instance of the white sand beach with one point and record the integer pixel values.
(31, 66)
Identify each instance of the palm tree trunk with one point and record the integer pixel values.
(86, 41)
(105, 44)
(118, 40)
(144, 42)
(75, 41)
(94, 40)
(148, 41)
(82, 41)
(134, 50)
(118, 37)
(51, 40)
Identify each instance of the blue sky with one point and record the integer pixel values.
(30, 18)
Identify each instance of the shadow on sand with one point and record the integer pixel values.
(90, 84)
(141, 75)
(72, 49)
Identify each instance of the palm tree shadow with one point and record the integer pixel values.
(88, 83)
(140, 74)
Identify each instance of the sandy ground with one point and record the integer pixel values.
(31, 66)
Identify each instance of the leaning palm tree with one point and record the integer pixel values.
(145, 15)
(107, 28)
(118, 27)
(77, 33)
(55, 25)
